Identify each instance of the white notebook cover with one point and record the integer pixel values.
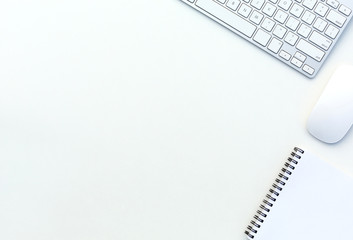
(316, 202)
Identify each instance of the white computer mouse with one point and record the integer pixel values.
(332, 117)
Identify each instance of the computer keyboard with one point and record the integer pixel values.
(300, 33)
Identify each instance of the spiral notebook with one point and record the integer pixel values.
(309, 199)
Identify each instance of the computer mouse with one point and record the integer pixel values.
(332, 117)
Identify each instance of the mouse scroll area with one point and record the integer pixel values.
(332, 117)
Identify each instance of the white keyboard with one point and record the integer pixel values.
(300, 33)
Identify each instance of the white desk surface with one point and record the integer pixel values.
(143, 120)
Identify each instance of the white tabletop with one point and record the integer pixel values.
(143, 120)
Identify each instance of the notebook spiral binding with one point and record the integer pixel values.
(273, 194)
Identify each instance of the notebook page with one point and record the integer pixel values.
(315, 203)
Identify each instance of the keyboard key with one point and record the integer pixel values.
(227, 17)
(321, 9)
(300, 56)
(281, 16)
(268, 24)
(275, 45)
(296, 62)
(262, 37)
(320, 24)
(336, 18)
(257, 4)
(244, 10)
(320, 40)
(308, 69)
(345, 10)
(256, 17)
(310, 50)
(332, 31)
(283, 54)
(297, 10)
(310, 3)
(233, 4)
(304, 30)
(285, 4)
(292, 23)
(291, 38)
(333, 3)
(279, 31)
(269, 9)
(308, 17)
